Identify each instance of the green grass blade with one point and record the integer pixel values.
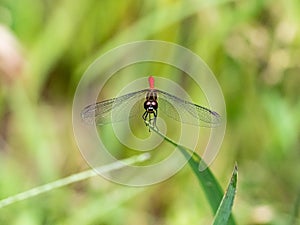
(295, 214)
(210, 185)
(72, 179)
(224, 210)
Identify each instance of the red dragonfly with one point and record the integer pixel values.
(154, 99)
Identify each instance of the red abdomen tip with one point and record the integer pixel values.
(151, 82)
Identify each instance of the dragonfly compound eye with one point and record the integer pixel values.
(154, 104)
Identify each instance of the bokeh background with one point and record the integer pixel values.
(253, 47)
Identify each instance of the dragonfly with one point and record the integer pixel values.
(147, 103)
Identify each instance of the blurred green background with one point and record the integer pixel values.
(253, 47)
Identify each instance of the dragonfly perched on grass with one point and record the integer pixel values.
(150, 101)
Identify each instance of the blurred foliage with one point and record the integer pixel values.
(253, 47)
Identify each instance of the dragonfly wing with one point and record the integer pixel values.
(115, 109)
(187, 112)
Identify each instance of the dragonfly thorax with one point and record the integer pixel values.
(151, 105)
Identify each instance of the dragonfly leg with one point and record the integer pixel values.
(150, 121)
(144, 116)
(153, 120)
(155, 116)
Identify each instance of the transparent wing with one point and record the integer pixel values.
(186, 112)
(116, 109)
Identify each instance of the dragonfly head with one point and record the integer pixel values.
(150, 105)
